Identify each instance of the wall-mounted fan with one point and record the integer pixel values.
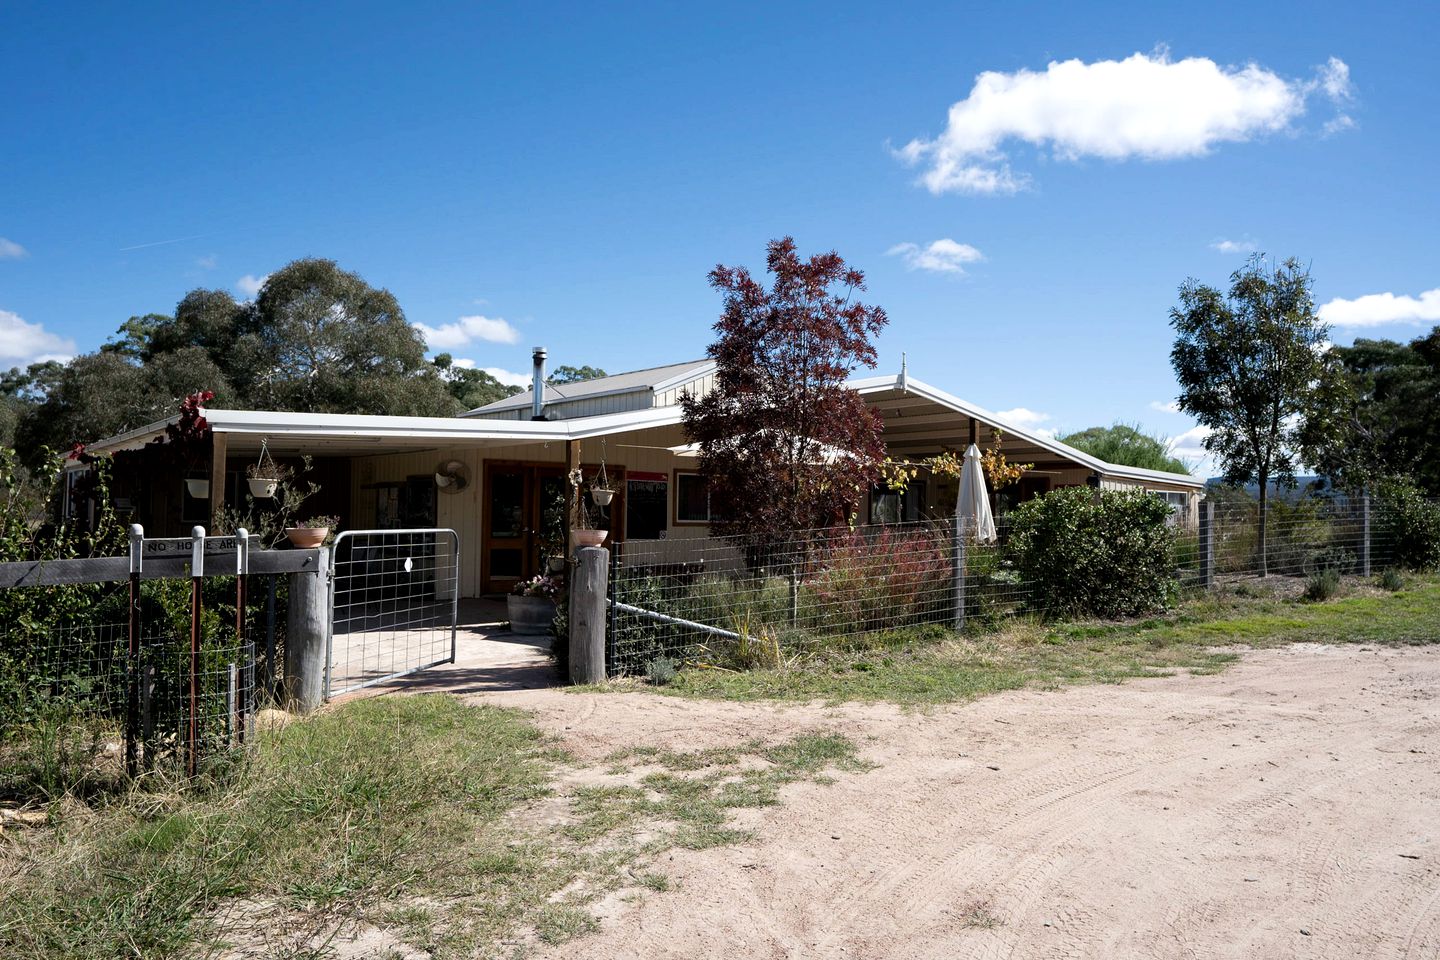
(452, 476)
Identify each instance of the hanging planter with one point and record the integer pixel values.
(600, 490)
(265, 475)
(198, 489)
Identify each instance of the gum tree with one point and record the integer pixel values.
(1252, 365)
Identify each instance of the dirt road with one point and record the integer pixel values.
(1288, 807)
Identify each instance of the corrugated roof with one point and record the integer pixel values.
(648, 379)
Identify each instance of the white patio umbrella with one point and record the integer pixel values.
(972, 508)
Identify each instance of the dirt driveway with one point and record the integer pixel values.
(1288, 807)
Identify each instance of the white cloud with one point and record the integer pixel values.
(1378, 309)
(467, 330)
(942, 256)
(1190, 447)
(1235, 246)
(508, 378)
(1023, 417)
(1145, 106)
(250, 284)
(207, 263)
(10, 250)
(1165, 406)
(23, 343)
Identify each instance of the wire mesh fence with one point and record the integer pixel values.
(83, 683)
(804, 591)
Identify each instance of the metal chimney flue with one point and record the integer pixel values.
(537, 388)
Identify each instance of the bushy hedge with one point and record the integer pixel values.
(1411, 524)
(1110, 556)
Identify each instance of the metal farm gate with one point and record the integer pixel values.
(394, 601)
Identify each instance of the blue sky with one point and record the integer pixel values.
(570, 173)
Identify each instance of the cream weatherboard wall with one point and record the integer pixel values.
(644, 451)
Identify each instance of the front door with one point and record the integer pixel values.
(524, 522)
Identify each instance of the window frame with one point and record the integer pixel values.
(676, 520)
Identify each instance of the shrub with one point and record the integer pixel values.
(1391, 580)
(1322, 585)
(879, 579)
(661, 671)
(1107, 556)
(1411, 524)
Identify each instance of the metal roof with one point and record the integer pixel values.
(903, 385)
(339, 433)
(650, 380)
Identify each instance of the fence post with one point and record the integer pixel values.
(197, 574)
(246, 674)
(1365, 535)
(587, 615)
(959, 573)
(132, 663)
(1206, 545)
(307, 637)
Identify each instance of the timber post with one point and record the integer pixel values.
(307, 640)
(587, 615)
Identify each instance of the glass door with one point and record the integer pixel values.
(507, 535)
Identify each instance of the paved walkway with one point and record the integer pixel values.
(488, 657)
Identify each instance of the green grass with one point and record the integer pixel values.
(942, 668)
(409, 813)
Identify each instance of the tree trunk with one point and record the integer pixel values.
(1264, 516)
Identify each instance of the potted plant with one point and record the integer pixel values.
(531, 605)
(309, 534)
(552, 532)
(582, 524)
(198, 487)
(264, 475)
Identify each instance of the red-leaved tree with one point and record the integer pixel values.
(784, 445)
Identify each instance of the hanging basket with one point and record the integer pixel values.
(601, 496)
(198, 489)
(261, 488)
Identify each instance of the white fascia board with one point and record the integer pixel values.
(683, 378)
(869, 385)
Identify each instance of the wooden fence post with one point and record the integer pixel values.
(587, 615)
(307, 637)
(132, 664)
(1206, 545)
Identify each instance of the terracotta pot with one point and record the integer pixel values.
(587, 538)
(530, 616)
(261, 488)
(307, 538)
(198, 489)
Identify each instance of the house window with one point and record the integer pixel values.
(1178, 501)
(692, 498)
(888, 506)
(647, 506)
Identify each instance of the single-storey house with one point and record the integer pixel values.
(496, 475)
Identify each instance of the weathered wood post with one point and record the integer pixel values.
(132, 663)
(587, 615)
(1365, 535)
(307, 639)
(1206, 545)
(192, 715)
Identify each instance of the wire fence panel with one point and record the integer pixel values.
(799, 591)
(712, 599)
(394, 598)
